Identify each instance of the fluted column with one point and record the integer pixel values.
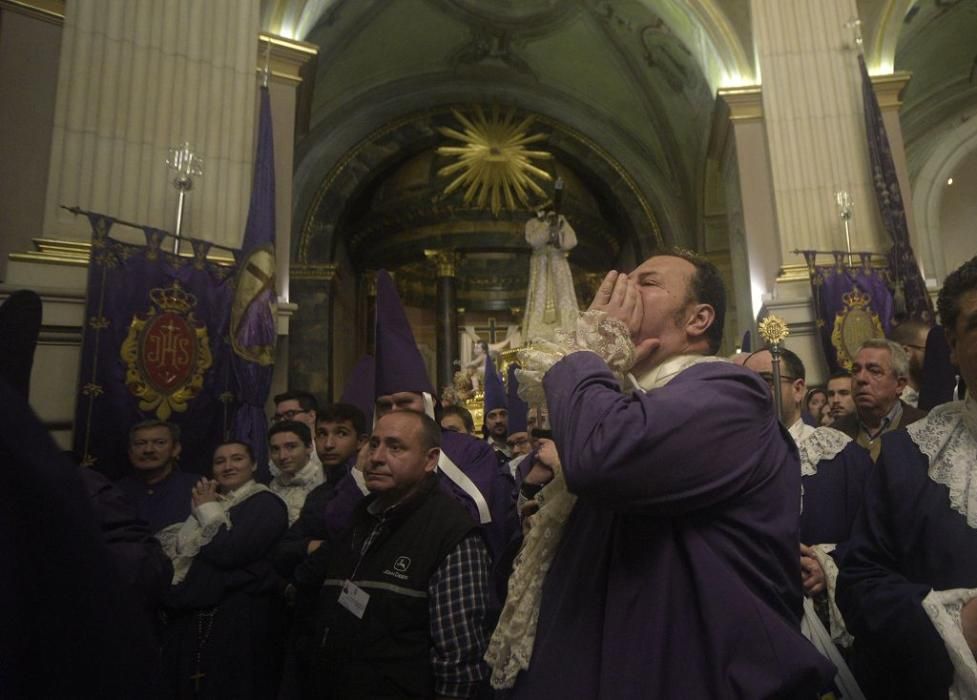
(814, 121)
(168, 71)
(447, 323)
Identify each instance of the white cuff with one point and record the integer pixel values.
(208, 513)
(839, 632)
(360, 481)
(943, 609)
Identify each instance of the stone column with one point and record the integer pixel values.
(310, 336)
(815, 124)
(168, 71)
(447, 323)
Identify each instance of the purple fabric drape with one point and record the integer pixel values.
(125, 286)
(830, 284)
(253, 320)
(911, 298)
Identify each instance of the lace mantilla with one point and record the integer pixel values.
(594, 332)
(948, 437)
(511, 646)
(943, 609)
(182, 542)
(823, 443)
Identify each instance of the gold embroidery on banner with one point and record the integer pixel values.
(855, 324)
(166, 353)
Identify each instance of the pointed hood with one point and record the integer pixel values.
(358, 390)
(399, 365)
(518, 409)
(494, 391)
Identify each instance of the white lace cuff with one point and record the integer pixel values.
(838, 630)
(594, 332)
(943, 609)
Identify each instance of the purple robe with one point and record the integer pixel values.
(906, 541)
(678, 573)
(833, 496)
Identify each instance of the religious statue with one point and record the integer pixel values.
(474, 369)
(551, 301)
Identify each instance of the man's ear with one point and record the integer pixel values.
(177, 449)
(433, 455)
(703, 316)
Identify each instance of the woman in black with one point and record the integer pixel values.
(224, 608)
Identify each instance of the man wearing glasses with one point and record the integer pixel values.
(911, 335)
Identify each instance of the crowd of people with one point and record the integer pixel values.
(650, 525)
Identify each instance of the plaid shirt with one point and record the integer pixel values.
(458, 594)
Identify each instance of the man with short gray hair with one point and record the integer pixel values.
(879, 374)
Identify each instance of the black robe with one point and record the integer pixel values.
(228, 610)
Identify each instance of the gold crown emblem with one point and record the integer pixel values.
(855, 299)
(173, 299)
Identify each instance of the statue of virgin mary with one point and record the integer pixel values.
(551, 301)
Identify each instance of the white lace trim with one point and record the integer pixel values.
(294, 489)
(943, 609)
(183, 541)
(948, 438)
(511, 646)
(836, 622)
(824, 443)
(594, 332)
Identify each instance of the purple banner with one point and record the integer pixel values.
(154, 346)
(912, 299)
(252, 315)
(851, 304)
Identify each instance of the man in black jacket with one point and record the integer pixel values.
(404, 592)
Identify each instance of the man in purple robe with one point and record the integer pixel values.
(908, 582)
(677, 574)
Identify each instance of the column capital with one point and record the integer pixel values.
(313, 271)
(446, 260)
(733, 106)
(288, 57)
(890, 88)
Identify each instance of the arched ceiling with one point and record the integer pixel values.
(938, 45)
(637, 78)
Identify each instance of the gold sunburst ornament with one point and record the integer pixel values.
(773, 330)
(493, 163)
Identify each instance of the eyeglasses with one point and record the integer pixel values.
(768, 378)
(287, 415)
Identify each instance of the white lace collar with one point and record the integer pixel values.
(820, 444)
(948, 438)
(310, 474)
(662, 374)
(800, 430)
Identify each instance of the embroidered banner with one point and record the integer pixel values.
(911, 297)
(851, 305)
(154, 345)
